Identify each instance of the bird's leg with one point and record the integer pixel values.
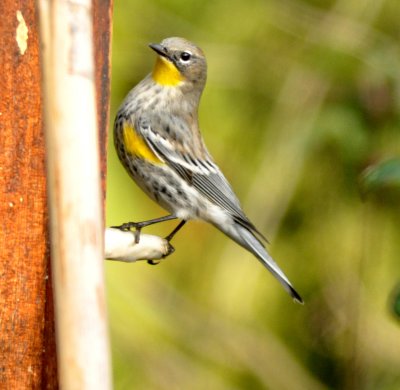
(168, 238)
(176, 230)
(138, 226)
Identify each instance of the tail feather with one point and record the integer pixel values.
(249, 241)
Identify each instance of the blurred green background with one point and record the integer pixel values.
(302, 97)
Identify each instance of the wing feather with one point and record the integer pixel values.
(202, 173)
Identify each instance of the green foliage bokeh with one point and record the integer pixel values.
(302, 96)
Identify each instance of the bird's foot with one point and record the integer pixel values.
(128, 226)
(138, 226)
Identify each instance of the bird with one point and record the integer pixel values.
(158, 141)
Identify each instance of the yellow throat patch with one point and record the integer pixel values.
(166, 73)
(137, 146)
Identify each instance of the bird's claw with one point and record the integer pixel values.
(153, 262)
(137, 235)
(170, 250)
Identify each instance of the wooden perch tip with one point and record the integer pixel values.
(121, 246)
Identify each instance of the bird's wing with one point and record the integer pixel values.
(200, 172)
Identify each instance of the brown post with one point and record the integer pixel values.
(27, 346)
(27, 343)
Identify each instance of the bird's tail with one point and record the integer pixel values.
(249, 241)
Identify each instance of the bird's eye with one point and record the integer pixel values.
(185, 56)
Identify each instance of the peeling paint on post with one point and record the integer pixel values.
(21, 35)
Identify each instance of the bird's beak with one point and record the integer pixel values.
(160, 50)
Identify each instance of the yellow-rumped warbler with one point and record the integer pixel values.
(157, 138)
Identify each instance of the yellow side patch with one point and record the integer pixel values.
(137, 146)
(166, 73)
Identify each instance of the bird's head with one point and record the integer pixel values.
(179, 63)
